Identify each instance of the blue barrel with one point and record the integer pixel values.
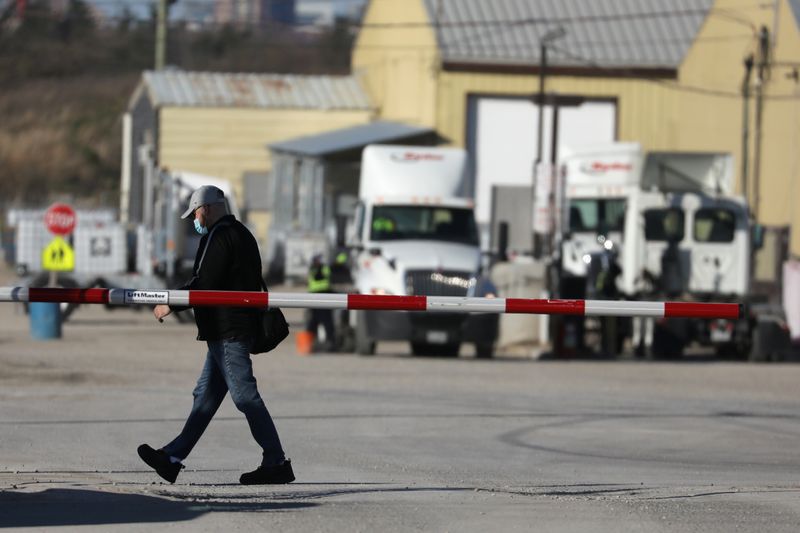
(45, 320)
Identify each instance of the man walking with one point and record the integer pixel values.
(227, 259)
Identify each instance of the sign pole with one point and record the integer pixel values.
(57, 257)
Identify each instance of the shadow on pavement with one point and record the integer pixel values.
(79, 507)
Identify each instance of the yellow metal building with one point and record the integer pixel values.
(219, 125)
(673, 73)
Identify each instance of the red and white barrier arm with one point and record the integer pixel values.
(447, 304)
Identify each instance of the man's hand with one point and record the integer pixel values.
(160, 311)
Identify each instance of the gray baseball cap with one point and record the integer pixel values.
(207, 194)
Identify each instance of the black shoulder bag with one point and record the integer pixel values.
(272, 328)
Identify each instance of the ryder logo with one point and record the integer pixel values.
(414, 157)
(601, 167)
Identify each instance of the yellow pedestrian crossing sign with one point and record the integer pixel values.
(58, 256)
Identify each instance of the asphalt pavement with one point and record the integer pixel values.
(392, 442)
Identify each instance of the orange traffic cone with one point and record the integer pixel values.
(303, 340)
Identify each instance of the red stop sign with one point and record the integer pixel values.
(60, 219)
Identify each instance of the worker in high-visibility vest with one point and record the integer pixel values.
(319, 281)
(383, 225)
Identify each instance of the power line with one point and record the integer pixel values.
(593, 44)
(671, 84)
(468, 23)
(727, 14)
(558, 20)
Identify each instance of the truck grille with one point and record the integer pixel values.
(438, 283)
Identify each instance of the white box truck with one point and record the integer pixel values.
(415, 234)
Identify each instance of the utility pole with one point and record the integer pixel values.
(161, 34)
(545, 40)
(536, 250)
(748, 69)
(542, 76)
(761, 78)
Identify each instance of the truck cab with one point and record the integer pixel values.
(597, 183)
(659, 225)
(415, 234)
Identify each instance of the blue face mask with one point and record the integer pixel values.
(199, 229)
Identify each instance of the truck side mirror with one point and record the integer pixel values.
(757, 236)
(502, 241)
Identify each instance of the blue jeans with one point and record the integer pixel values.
(228, 368)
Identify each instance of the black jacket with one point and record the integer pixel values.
(232, 263)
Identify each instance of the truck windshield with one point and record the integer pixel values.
(596, 215)
(664, 224)
(714, 225)
(397, 222)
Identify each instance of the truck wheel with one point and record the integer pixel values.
(759, 349)
(450, 350)
(345, 340)
(484, 350)
(444, 350)
(420, 348)
(730, 351)
(364, 345)
(666, 344)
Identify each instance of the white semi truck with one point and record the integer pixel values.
(415, 234)
(661, 225)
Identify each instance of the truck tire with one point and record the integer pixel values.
(666, 343)
(421, 348)
(450, 350)
(346, 343)
(484, 350)
(760, 351)
(433, 350)
(757, 352)
(364, 345)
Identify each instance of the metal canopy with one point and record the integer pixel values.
(347, 139)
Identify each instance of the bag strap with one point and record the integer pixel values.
(197, 270)
(200, 263)
(196, 273)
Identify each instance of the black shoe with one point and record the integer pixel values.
(269, 475)
(159, 461)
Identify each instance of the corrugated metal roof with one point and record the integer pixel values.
(350, 138)
(599, 33)
(214, 89)
(795, 6)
